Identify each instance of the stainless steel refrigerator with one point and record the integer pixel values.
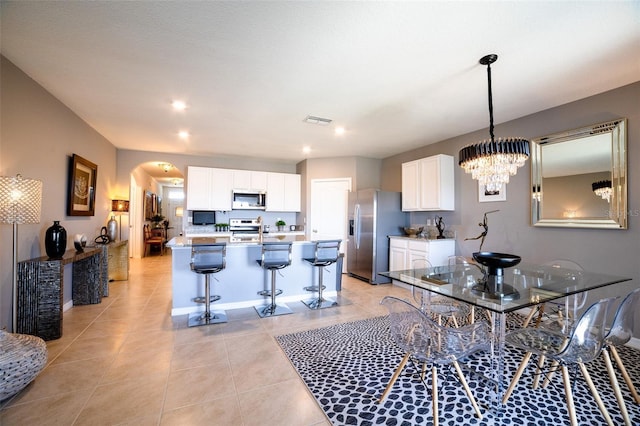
(373, 216)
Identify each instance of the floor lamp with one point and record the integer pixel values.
(20, 203)
(120, 206)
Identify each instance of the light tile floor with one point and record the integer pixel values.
(126, 361)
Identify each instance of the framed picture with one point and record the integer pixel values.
(149, 200)
(485, 196)
(82, 187)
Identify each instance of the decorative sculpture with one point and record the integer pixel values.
(485, 225)
(440, 226)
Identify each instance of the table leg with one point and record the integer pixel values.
(498, 329)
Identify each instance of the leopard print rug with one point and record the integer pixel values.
(347, 366)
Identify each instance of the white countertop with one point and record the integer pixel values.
(406, 237)
(293, 237)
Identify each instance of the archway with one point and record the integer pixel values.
(156, 188)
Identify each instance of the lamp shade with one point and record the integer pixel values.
(120, 206)
(20, 200)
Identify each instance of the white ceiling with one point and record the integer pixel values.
(395, 75)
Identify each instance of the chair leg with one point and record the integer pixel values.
(616, 388)
(434, 394)
(596, 395)
(540, 315)
(549, 376)
(516, 377)
(529, 317)
(489, 318)
(465, 385)
(625, 374)
(536, 377)
(569, 396)
(394, 377)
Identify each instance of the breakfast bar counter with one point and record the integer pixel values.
(241, 280)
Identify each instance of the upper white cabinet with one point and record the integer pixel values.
(198, 188)
(283, 192)
(250, 180)
(428, 184)
(209, 188)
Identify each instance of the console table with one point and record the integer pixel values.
(118, 253)
(41, 282)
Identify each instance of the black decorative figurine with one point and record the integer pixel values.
(485, 225)
(55, 240)
(440, 226)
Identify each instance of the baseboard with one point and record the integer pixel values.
(248, 303)
(67, 306)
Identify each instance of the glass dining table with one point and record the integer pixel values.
(519, 287)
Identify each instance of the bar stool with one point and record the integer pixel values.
(326, 253)
(274, 256)
(207, 259)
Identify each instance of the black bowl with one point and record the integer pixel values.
(496, 261)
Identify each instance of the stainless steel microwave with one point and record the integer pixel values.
(244, 200)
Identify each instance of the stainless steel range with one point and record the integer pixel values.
(245, 230)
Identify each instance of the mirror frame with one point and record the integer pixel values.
(617, 207)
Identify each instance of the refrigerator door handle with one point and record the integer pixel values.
(357, 225)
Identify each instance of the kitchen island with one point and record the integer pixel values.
(241, 280)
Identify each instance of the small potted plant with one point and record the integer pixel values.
(157, 219)
(281, 225)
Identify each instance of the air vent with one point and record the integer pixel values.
(317, 120)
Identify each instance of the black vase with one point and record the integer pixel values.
(55, 240)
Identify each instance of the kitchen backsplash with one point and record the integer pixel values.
(431, 232)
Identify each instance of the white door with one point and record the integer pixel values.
(328, 217)
(134, 220)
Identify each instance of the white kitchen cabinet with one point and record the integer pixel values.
(249, 180)
(409, 253)
(291, 192)
(198, 188)
(398, 254)
(428, 184)
(221, 189)
(209, 188)
(283, 192)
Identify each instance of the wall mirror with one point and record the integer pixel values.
(579, 177)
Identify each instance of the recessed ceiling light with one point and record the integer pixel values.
(312, 119)
(183, 134)
(179, 105)
(340, 130)
(306, 150)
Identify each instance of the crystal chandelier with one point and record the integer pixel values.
(492, 161)
(603, 189)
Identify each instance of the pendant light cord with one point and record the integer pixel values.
(490, 102)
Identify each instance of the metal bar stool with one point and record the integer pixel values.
(274, 256)
(207, 259)
(326, 253)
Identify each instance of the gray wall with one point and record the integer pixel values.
(608, 251)
(38, 136)
(364, 173)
